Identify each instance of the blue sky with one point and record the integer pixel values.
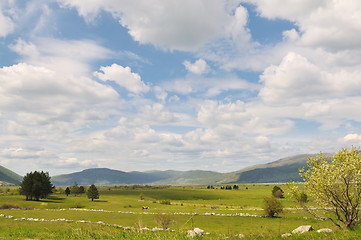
(208, 84)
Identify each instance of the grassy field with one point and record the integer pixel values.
(118, 214)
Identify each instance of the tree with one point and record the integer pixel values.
(74, 189)
(272, 207)
(81, 189)
(36, 185)
(93, 192)
(277, 192)
(335, 183)
(67, 191)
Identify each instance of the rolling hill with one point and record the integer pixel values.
(7, 176)
(283, 170)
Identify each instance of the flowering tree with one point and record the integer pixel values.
(335, 183)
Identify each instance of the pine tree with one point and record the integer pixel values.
(67, 191)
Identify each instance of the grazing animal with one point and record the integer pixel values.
(145, 207)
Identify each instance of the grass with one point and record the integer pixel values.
(122, 206)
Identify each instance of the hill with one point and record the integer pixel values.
(7, 176)
(283, 170)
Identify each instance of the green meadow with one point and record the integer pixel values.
(118, 214)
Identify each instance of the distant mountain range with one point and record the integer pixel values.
(282, 170)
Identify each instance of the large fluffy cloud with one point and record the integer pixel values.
(296, 80)
(37, 95)
(334, 25)
(172, 24)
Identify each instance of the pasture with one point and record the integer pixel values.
(119, 214)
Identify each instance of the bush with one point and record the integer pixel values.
(277, 192)
(272, 207)
(78, 205)
(166, 202)
(9, 206)
(163, 220)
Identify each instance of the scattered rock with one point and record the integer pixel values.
(324, 230)
(195, 232)
(241, 235)
(302, 229)
(286, 235)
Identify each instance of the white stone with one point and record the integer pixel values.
(302, 229)
(198, 231)
(324, 230)
(195, 232)
(241, 235)
(286, 235)
(191, 233)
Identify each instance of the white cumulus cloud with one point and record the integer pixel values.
(124, 77)
(296, 80)
(198, 67)
(172, 24)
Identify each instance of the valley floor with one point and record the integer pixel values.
(118, 214)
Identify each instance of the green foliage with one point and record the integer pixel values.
(272, 207)
(36, 185)
(81, 189)
(336, 185)
(92, 192)
(277, 192)
(74, 189)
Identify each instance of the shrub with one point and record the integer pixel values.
(277, 192)
(272, 207)
(166, 202)
(9, 206)
(77, 205)
(163, 220)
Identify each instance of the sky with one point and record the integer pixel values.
(138, 85)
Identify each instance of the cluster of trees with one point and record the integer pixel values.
(75, 189)
(36, 185)
(92, 192)
(229, 187)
